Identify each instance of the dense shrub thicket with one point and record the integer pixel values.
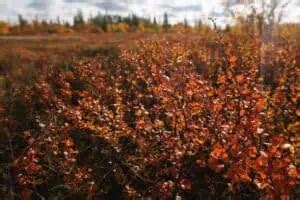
(171, 119)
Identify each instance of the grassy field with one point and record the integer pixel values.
(18, 51)
(33, 48)
(23, 56)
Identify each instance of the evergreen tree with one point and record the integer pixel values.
(186, 23)
(78, 18)
(67, 24)
(58, 20)
(165, 21)
(44, 23)
(35, 22)
(154, 21)
(119, 19)
(227, 28)
(22, 21)
(135, 20)
(198, 24)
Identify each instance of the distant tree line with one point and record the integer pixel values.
(252, 24)
(95, 24)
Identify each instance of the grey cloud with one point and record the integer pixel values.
(40, 4)
(192, 7)
(106, 1)
(74, 1)
(78, 1)
(236, 2)
(122, 5)
(111, 5)
(219, 14)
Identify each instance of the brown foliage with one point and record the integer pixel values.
(155, 121)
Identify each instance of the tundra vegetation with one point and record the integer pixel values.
(162, 112)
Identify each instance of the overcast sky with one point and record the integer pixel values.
(177, 9)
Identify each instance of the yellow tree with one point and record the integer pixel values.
(4, 28)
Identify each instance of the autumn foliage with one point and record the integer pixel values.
(171, 118)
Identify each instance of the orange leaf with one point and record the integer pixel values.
(215, 165)
(260, 104)
(233, 59)
(272, 150)
(240, 78)
(244, 175)
(217, 107)
(292, 172)
(222, 79)
(219, 153)
(262, 161)
(185, 184)
(252, 152)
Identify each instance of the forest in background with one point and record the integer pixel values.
(102, 23)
